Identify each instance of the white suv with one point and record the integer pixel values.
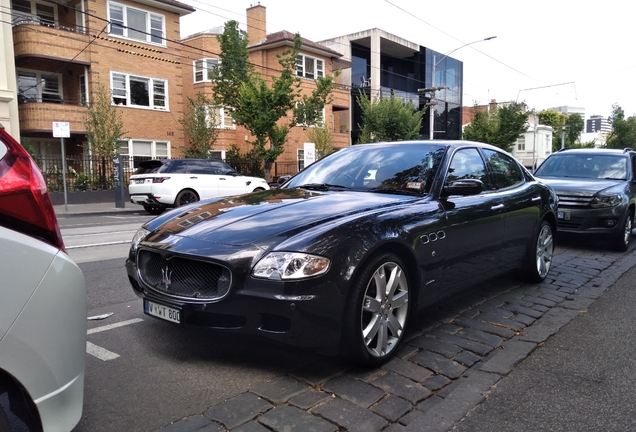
(159, 184)
(42, 305)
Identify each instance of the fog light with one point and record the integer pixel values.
(610, 222)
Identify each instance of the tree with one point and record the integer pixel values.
(499, 126)
(104, 125)
(574, 127)
(322, 138)
(388, 119)
(260, 106)
(623, 133)
(199, 122)
(556, 120)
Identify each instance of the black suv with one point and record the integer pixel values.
(597, 192)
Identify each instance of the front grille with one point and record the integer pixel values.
(574, 201)
(183, 277)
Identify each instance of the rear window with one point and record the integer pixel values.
(148, 167)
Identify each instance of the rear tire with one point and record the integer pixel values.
(154, 209)
(377, 311)
(185, 197)
(621, 241)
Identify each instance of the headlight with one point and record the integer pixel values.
(606, 201)
(290, 265)
(138, 237)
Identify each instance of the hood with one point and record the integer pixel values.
(246, 219)
(583, 187)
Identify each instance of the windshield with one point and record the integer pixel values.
(376, 167)
(587, 166)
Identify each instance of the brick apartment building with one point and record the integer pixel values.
(314, 61)
(63, 50)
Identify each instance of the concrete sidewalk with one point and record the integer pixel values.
(97, 209)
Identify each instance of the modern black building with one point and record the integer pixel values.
(383, 63)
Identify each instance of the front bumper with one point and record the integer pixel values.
(261, 308)
(591, 221)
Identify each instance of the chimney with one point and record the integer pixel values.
(256, 28)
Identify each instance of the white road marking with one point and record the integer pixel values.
(114, 325)
(99, 352)
(98, 244)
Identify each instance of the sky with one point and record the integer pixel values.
(546, 53)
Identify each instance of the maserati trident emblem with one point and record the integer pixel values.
(166, 276)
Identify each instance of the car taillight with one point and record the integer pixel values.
(160, 179)
(25, 204)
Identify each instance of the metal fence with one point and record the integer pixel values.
(85, 172)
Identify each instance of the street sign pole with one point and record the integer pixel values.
(63, 130)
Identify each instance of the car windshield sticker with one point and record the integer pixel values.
(414, 185)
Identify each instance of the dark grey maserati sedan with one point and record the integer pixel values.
(350, 249)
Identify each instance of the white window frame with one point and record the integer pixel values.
(203, 69)
(213, 153)
(39, 79)
(121, 96)
(122, 30)
(300, 158)
(521, 143)
(224, 118)
(130, 155)
(302, 61)
(19, 17)
(321, 122)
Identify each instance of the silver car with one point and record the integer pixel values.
(42, 305)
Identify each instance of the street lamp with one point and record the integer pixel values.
(432, 89)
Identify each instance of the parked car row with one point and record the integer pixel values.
(341, 256)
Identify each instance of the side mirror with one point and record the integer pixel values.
(463, 187)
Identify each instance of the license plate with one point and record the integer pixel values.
(163, 312)
(141, 181)
(563, 215)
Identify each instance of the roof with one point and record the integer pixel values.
(287, 38)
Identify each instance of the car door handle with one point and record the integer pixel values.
(222, 178)
(497, 207)
(536, 199)
(194, 178)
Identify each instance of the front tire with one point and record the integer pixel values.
(540, 254)
(620, 243)
(377, 311)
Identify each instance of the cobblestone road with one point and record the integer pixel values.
(454, 355)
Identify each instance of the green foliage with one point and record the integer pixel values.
(81, 181)
(245, 163)
(623, 133)
(104, 125)
(388, 119)
(499, 126)
(556, 120)
(323, 140)
(574, 127)
(260, 107)
(199, 123)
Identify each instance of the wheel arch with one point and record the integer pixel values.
(194, 191)
(10, 385)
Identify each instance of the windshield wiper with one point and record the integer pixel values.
(396, 191)
(322, 186)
